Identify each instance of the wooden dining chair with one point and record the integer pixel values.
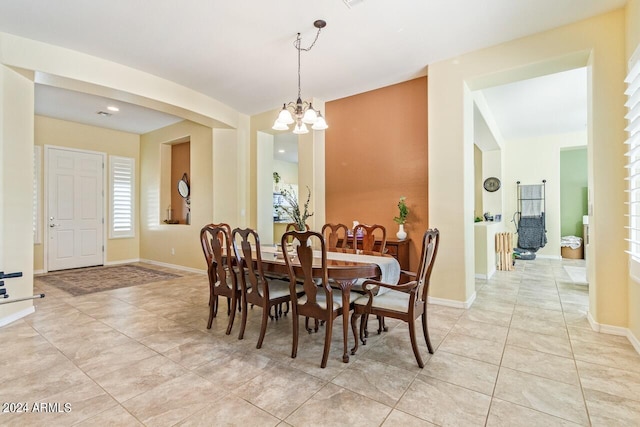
(257, 289)
(334, 233)
(215, 241)
(364, 237)
(404, 301)
(320, 301)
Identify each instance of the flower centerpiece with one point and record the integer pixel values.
(276, 180)
(292, 208)
(401, 219)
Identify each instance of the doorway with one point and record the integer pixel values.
(74, 208)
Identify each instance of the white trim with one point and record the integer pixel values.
(548, 257)
(17, 316)
(481, 276)
(123, 261)
(36, 272)
(614, 330)
(453, 303)
(177, 267)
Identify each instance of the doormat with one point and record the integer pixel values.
(89, 280)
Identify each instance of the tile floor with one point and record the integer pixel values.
(522, 355)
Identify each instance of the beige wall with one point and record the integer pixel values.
(156, 238)
(288, 172)
(451, 149)
(61, 133)
(633, 41)
(530, 160)
(16, 185)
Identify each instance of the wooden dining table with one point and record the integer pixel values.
(343, 272)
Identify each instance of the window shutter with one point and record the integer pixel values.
(633, 155)
(122, 180)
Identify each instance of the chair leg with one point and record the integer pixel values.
(263, 326)
(243, 322)
(414, 343)
(354, 328)
(232, 314)
(306, 325)
(425, 331)
(296, 321)
(212, 314)
(363, 330)
(327, 343)
(229, 306)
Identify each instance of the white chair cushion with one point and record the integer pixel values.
(322, 301)
(392, 300)
(280, 288)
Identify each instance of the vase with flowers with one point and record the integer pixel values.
(401, 219)
(291, 207)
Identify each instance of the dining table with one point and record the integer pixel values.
(345, 267)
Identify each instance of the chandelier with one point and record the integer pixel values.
(301, 112)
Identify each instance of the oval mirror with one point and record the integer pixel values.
(183, 186)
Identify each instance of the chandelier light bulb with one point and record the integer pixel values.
(285, 116)
(300, 129)
(320, 124)
(310, 116)
(279, 126)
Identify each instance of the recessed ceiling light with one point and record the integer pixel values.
(112, 108)
(280, 151)
(103, 114)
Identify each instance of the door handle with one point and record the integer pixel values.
(53, 225)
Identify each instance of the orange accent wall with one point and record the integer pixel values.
(376, 151)
(180, 163)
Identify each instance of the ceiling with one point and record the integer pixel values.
(242, 53)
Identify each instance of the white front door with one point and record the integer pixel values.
(75, 214)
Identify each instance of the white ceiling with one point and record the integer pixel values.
(551, 104)
(241, 52)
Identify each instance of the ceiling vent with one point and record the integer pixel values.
(351, 3)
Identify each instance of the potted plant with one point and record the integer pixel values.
(401, 219)
(292, 208)
(276, 180)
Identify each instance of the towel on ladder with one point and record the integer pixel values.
(531, 200)
(531, 232)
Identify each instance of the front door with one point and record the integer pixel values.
(75, 214)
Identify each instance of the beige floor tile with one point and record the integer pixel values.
(539, 326)
(506, 414)
(375, 380)
(199, 351)
(462, 371)
(610, 380)
(491, 305)
(542, 394)
(444, 404)
(174, 400)
(234, 369)
(395, 350)
(114, 417)
(552, 344)
(115, 357)
(542, 364)
(486, 316)
(591, 336)
(402, 419)
(230, 411)
(609, 410)
(271, 390)
(139, 377)
(336, 406)
(475, 348)
(481, 330)
(621, 357)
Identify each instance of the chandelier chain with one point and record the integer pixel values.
(298, 45)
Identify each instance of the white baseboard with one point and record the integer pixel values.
(452, 303)
(549, 256)
(614, 330)
(17, 316)
(177, 267)
(36, 272)
(122, 261)
(481, 276)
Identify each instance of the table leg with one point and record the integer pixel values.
(345, 286)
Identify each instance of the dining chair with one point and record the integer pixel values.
(335, 235)
(257, 289)
(320, 301)
(404, 301)
(215, 241)
(364, 237)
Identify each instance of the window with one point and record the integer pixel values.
(633, 154)
(122, 182)
(37, 233)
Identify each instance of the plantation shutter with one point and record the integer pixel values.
(122, 180)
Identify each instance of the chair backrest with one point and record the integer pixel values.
(215, 242)
(430, 243)
(291, 226)
(246, 248)
(332, 233)
(303, 242)
(364, 237)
